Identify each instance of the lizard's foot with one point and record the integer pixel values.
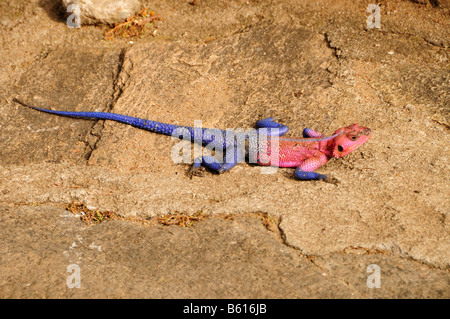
(331, 180)
(272, 127)
(309, 133)
(196, 171)
(307, 176)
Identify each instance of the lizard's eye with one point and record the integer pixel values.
(353, 138)
(340, 148)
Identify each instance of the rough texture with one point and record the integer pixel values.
(216, 258)
(313, 64)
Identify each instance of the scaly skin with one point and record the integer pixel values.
(313, 151)
(306, 154)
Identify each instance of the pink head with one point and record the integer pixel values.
(349, 138)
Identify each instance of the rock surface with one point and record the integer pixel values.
(310, 64)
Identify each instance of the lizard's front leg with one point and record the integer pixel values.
(270, 124)
(306, 170)
(307, 132)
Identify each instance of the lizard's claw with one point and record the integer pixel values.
(196, 171)
(331, 180)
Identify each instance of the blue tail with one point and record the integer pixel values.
(153, 126)
(185, 132)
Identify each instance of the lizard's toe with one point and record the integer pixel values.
(331, 180)
(196, 171)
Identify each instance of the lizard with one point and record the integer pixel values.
(305, 154)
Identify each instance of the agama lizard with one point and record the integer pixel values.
(262, 146)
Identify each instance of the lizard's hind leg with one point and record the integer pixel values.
(231, 158)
